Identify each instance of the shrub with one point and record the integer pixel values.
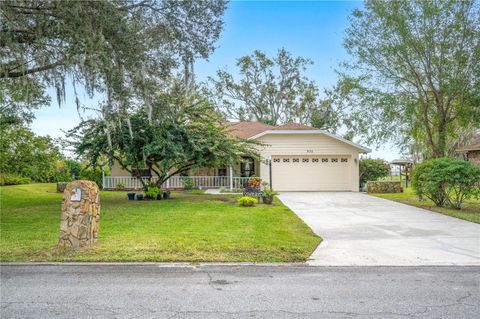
(120, 186)
(74, 167)
(247, 201)
(187, 182)
(384, 187)
(11, 179)
(152, 191)
(373, 169)
(446, 181)
(92, 174)
(61, 186)
(63, 173)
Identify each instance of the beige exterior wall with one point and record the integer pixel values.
(311, 146)
(306, 176)
(116, 170)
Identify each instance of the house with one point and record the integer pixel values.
(471, 151)
(293, 157)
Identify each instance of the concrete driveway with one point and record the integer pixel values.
(358, 229)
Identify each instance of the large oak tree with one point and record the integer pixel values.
(120, 48)
(415, 73)
(272, 90)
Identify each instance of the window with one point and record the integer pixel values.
(334, 160)
(140, 172)
(344, 160)
(324, 160)
(276, 160)
(314, 160)
(247, 167)
(222, 171)
(286, 160)
(296, 160)
(305, 160)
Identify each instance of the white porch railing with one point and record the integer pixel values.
(129, 182)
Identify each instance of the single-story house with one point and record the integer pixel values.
(293, 157)
(471, 151)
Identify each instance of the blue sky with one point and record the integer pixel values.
(309, 29)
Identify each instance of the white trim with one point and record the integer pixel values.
(341, 139)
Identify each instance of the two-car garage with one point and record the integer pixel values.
(304, 159)
(312, 173)
(297, 157)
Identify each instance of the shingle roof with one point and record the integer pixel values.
(247, 129)
(251, 129)
(473, 146)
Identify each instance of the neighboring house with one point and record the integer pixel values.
(293, 157)
(471, 152)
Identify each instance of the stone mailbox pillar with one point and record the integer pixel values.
(80, 214)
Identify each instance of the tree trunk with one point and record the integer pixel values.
(441, 149)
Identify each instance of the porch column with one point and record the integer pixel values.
(270, 171)
(231, 178)
(103, 178)
(167, 183)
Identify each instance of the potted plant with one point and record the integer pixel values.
(131, 196)
(152, 191)
(267, 195)
(166, 194)
(254, 182)
(139, 196)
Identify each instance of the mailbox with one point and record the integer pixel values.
(80, 214)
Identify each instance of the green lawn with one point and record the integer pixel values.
(189, 227)
(470, 209)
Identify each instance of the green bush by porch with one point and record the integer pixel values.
(191, 226)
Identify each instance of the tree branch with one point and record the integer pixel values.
(50, 66)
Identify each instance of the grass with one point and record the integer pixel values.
(470, 209)
(191, 227)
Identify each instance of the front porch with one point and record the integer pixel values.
(202, 177)
(175, 182)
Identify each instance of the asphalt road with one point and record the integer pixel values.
(287, 291)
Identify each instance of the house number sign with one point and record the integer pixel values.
(309, 151)
(76, 194)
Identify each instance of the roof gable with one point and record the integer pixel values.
(253, 130)
(314, 131)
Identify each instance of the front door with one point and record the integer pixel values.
(247, 167)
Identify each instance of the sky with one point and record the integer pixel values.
(309, 29)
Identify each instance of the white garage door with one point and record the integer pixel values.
(311, 173)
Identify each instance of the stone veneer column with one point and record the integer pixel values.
(80, 214)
